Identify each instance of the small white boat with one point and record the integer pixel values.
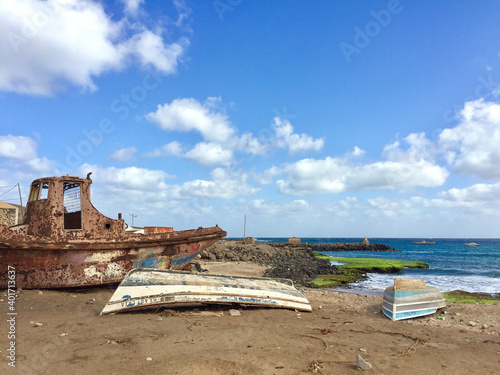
(424, 242)
(410, 298)
(146, 287)
(471, 244)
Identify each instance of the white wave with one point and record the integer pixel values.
(472, 283)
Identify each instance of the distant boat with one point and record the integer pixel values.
(423, 243)
(472, 244)
(410, 298)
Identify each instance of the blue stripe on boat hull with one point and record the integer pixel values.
(407, 314)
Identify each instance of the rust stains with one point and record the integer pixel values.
(65, 241)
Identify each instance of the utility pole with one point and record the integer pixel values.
(133, 218)
(20, 198)
(245, 228)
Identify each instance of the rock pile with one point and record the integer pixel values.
(346, 246)
(296, 262)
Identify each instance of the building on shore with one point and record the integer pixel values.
(11, 214)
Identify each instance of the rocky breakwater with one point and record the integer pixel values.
(295, 262)
(285, 260)
(349, 246)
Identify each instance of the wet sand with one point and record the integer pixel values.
(61, 332)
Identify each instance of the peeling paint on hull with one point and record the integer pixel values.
(150, 287)
(66, 242)
(56, 266)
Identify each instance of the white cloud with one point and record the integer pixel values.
(17, 147)
(86, 41)
(268, 176)
(172, 148)
(220, 137)
(43, 166)
(337, 175)
(151, 51)
(472, 147)
(475, 193)
(272, 208)
(311, 176)
(188, 114)
(124, 154)
(224, 185)
(132, 6)
(150, 187)
(183, 10)
(220, 140)
(420, 148)
(127, 178)
(396, 175)
(357, 152)
(210, 154)
(21, 156)
(465, 204)
(295, 143)
(248, 144)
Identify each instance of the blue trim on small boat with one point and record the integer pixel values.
(406, 293)
(408, 314)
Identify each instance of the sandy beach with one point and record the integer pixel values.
(61, 332)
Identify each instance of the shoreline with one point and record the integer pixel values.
(262, 253)
(60, 332)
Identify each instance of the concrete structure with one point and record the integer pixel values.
(294, 240)
(9, 214)
(249, 240)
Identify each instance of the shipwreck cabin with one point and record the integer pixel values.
(61, 207)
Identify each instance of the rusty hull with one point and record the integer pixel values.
(46, 254)
(62, 265)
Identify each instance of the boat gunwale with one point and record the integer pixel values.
(111, 244)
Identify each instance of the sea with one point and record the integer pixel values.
(453, 266)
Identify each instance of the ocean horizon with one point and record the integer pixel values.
(452, 265)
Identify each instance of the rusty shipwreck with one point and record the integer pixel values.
(66, 242)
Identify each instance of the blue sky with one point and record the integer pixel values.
(334, 119)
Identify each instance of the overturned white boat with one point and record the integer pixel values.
(410, 298)
(146, 287)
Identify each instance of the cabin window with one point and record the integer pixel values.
(34, 192)
(72, 205)
(45, 190)
(39, 191)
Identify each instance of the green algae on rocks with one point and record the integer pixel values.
(351, 270)
(459, 296)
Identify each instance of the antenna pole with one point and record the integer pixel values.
(245, 228)
(133, 215)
